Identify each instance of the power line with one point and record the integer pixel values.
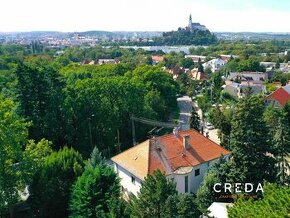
(149, 122)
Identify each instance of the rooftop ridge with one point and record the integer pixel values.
(167, 153)
(190, 130)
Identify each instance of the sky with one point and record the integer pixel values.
(144, 15)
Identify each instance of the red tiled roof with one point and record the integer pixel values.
(176, 70)
(157, 58)
(280, 95)
(168, 154)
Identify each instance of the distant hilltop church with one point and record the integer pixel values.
(195, 26)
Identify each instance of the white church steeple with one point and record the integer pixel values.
(190, 22)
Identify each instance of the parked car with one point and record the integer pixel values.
(209, 126)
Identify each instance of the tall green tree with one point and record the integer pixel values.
(281, 142)
(217, 83)
(250, 144)
(51, 186)
(186, 62)
(204, 105)
(94, 193)
(153, 195)
(34, 156)
(98, 105)
(199, 66)
(250, 64)
(98, 112)
(170, 209)
(186, 206)
(276, 119)
(277, 65)
(158, 198)
(40, 96)
(286, 110)
(221, 119)
(155, 105)
(194, 120)
(275, 203)
(96, 158)
(13, 136)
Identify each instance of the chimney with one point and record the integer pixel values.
(186, 142)
(176, 131)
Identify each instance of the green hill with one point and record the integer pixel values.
(187, 37)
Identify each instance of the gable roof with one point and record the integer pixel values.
(194, 74)
(168, 154)
(281, 95)
(157, 58)
(135, 158)
(254, 76)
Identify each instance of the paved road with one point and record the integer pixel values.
(185, 108)
(185, 105)
(212, 133)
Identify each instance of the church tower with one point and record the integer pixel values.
(190, 22)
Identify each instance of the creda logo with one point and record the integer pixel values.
(237, 187)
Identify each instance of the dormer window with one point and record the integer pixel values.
(186, 184)
(197, 172)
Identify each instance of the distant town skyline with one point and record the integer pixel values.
(140, 15)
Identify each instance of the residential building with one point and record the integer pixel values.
(156, 59)
(100, 62)
(176, 71)
(239, 90)
(279, 97)
(268, 65)
(86, 62)
(285, 67)
(226, 58)
(214, 64)
(254, 77)
(195, 58)
(106, 61)
(194, 74)
(184, 156)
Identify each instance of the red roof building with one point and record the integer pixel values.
(184, 156)
(279, 97)
(156, 59)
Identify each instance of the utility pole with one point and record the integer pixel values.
(211, 87)
(90, 130)
(133, 131)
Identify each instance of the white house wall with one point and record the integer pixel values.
(126, 180)
(194, 182)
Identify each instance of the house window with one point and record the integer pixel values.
(133, 179)
(197, 172)
(186, 184)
